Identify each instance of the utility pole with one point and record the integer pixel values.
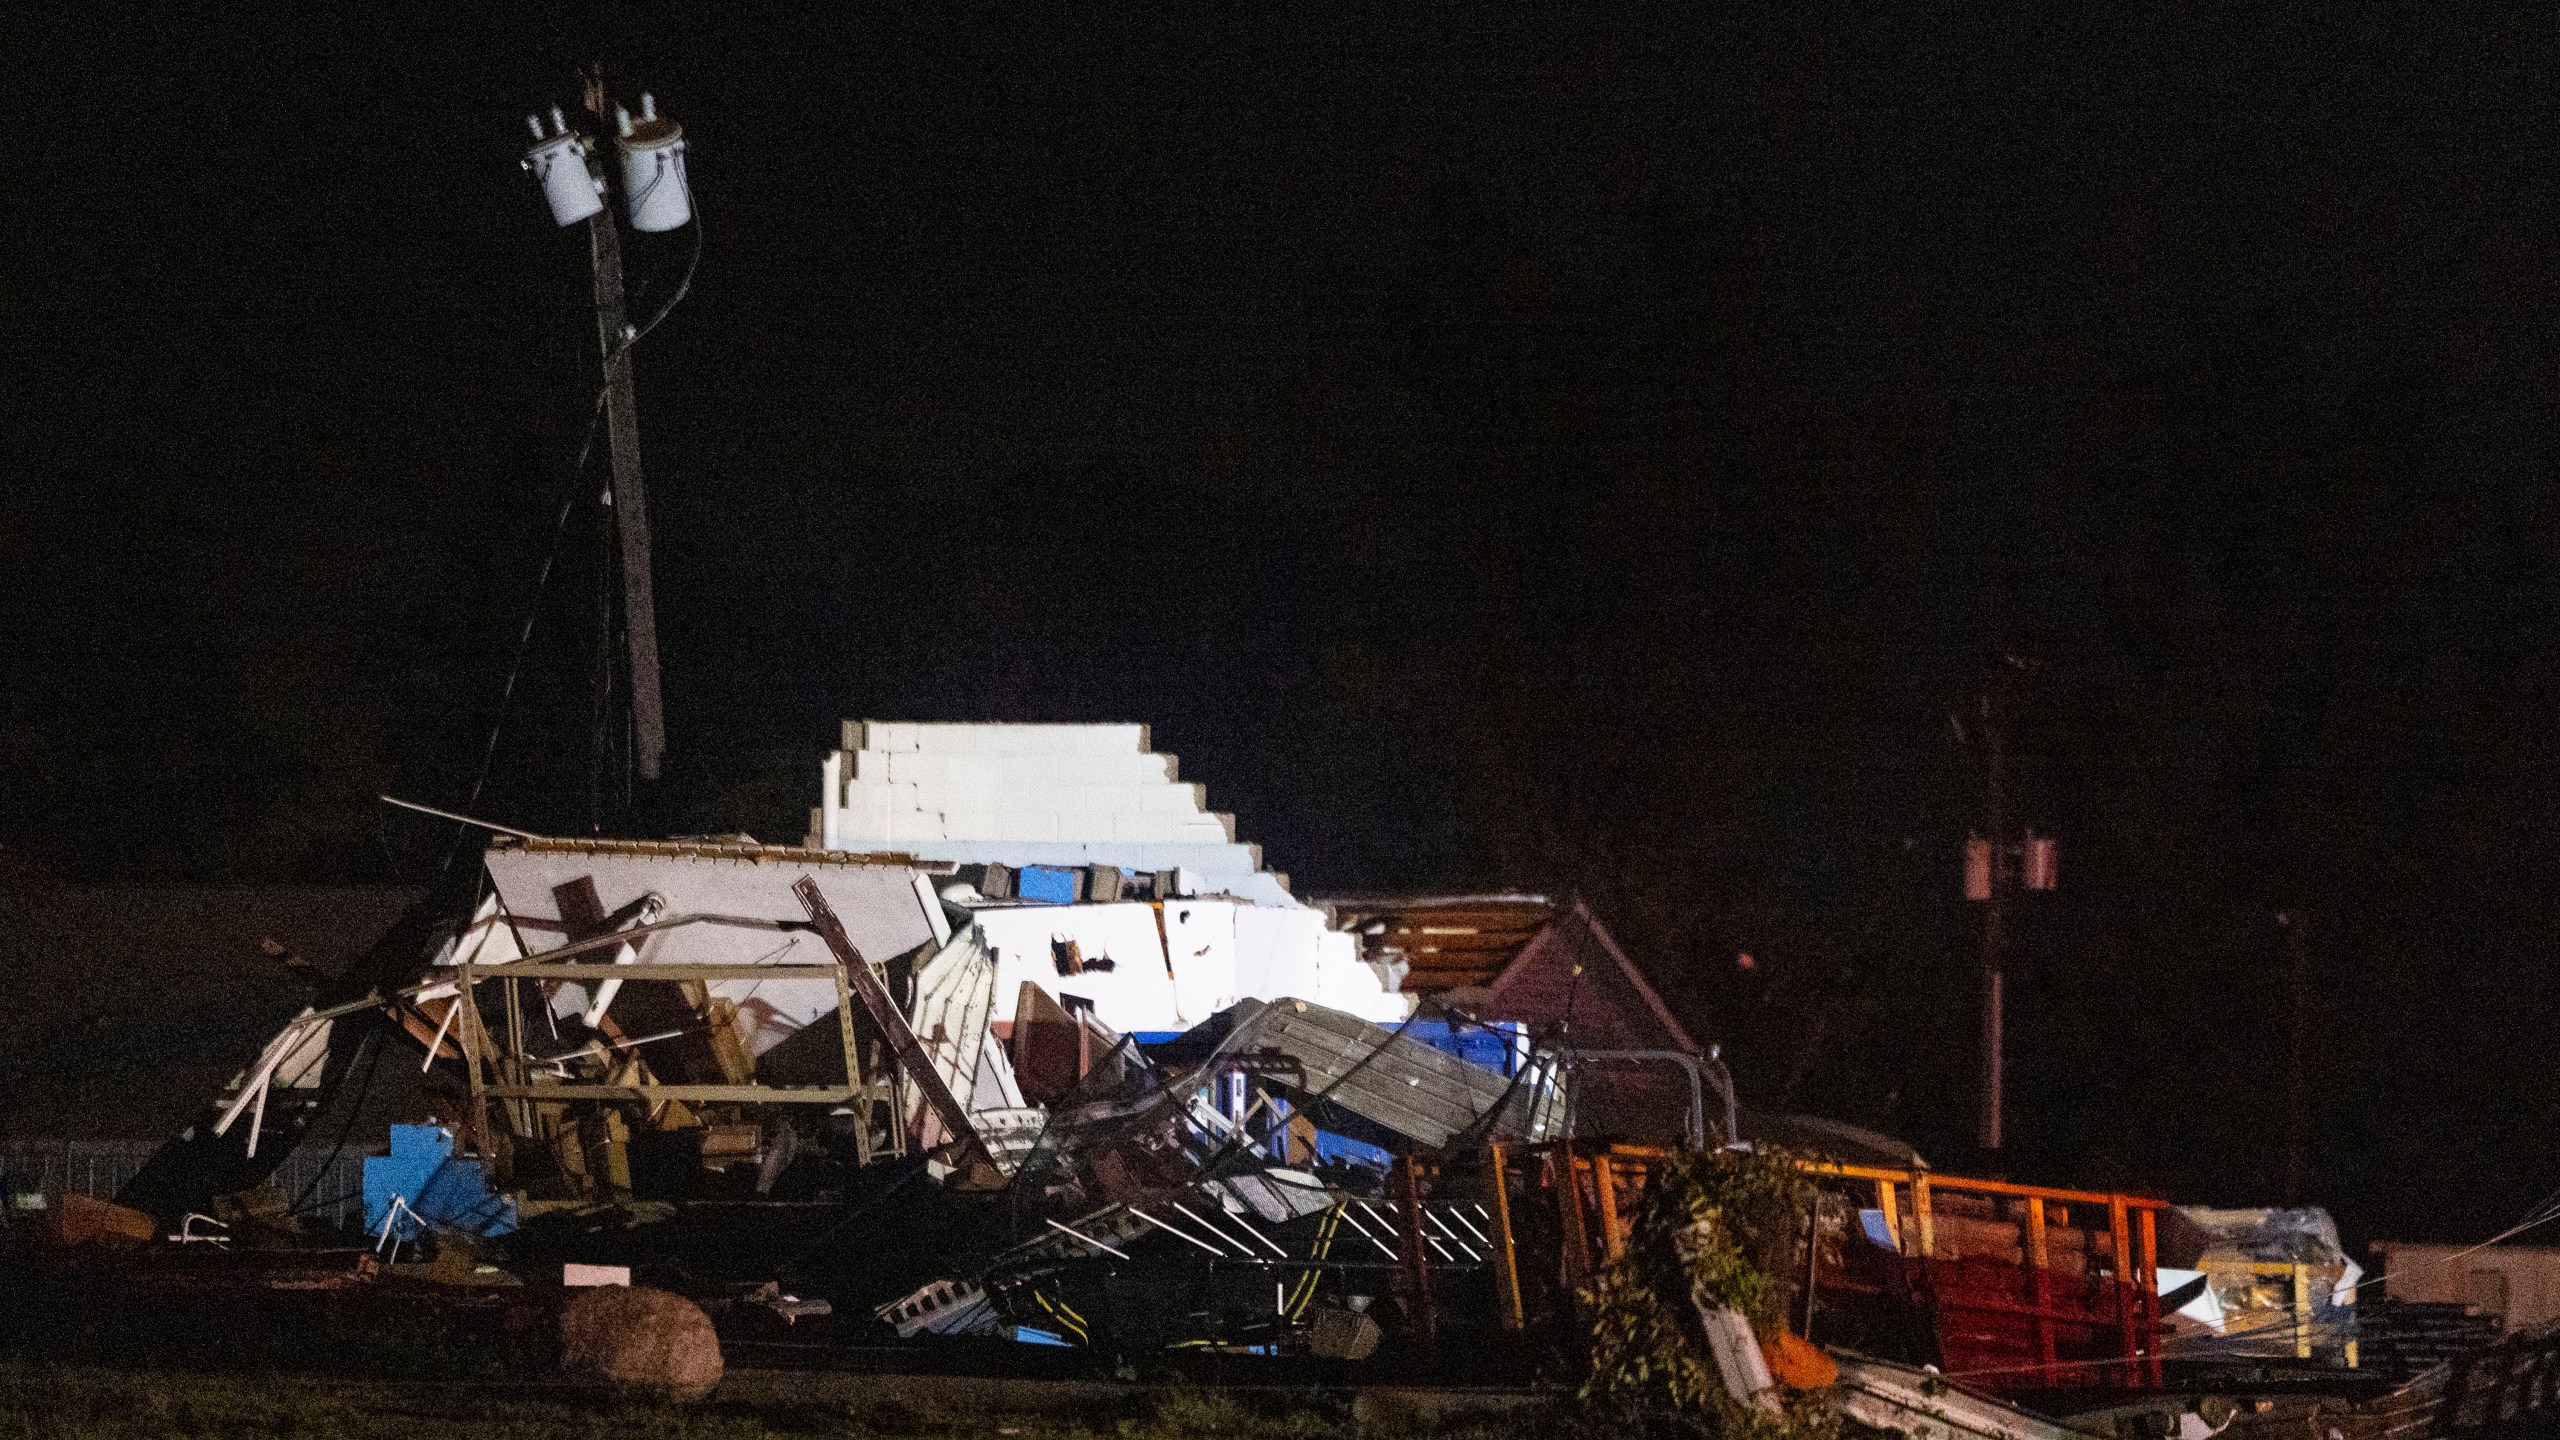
(646, 173)
(1995, 931)
(614, 335)
(1996, 868)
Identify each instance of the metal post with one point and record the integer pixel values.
(1994, 923)
(1604, 1191)
(2301, 1311)
(475, 1047)
(2121, 1233)
(1577, 1240)
(2148, 1234)
(1413, 1244)
(1506, 1256)
(2040, 1278)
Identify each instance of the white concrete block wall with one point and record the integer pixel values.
(961, 738)
(1173, 970)
(1030, 794)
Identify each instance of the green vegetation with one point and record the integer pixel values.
(1713, 1229)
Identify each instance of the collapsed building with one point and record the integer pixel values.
(1019, 971)
(1024, 1047)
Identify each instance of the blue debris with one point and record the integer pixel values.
(1501, 1046)
(445, 1190)
(1342, 1149)
(1048, 884)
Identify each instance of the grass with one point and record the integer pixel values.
(50, 1400)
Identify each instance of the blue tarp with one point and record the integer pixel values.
(1047, 883)
(445, 1190)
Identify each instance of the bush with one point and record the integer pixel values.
(1716, 1228)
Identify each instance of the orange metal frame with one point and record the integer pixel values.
(2132, 1229)
(2131, 1226)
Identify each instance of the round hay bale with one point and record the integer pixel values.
(633, 1339)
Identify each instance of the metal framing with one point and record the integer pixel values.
(482, 1092)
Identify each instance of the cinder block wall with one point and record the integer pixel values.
(1029, 794)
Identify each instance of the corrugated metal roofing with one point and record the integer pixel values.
(1418, 1092)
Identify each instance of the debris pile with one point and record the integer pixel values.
(1025, 1053)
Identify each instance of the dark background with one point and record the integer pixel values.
(1594, 453)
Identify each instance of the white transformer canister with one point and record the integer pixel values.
(653, 183)
(560, 163)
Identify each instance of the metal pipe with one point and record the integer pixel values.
(1170, 1230)
(1087, 1239)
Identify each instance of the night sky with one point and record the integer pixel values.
(1593, 452)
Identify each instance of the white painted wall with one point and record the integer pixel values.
(1172, 973)
(1069, 795)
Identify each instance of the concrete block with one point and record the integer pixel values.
(853, 735)
(870, 765)
(1096, 799)
(911, 767)
(1141, 829)
(867, 805)
(1213, 829)
(945, 739)
(1000, 825)
(1091, 827)
(997, 738)
(1120, 798)
(914, 825)
(1182, 799)
(1047, 795)
(1027, 740)
(889, 735)
(818, 837)
(1110, 739)
(1014, 772)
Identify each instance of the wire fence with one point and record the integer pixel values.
(328, 1188)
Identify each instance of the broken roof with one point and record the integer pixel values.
(1448, 942)
(1516, 957)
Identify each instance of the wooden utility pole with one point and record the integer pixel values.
(1995, 932)
(622, 431)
